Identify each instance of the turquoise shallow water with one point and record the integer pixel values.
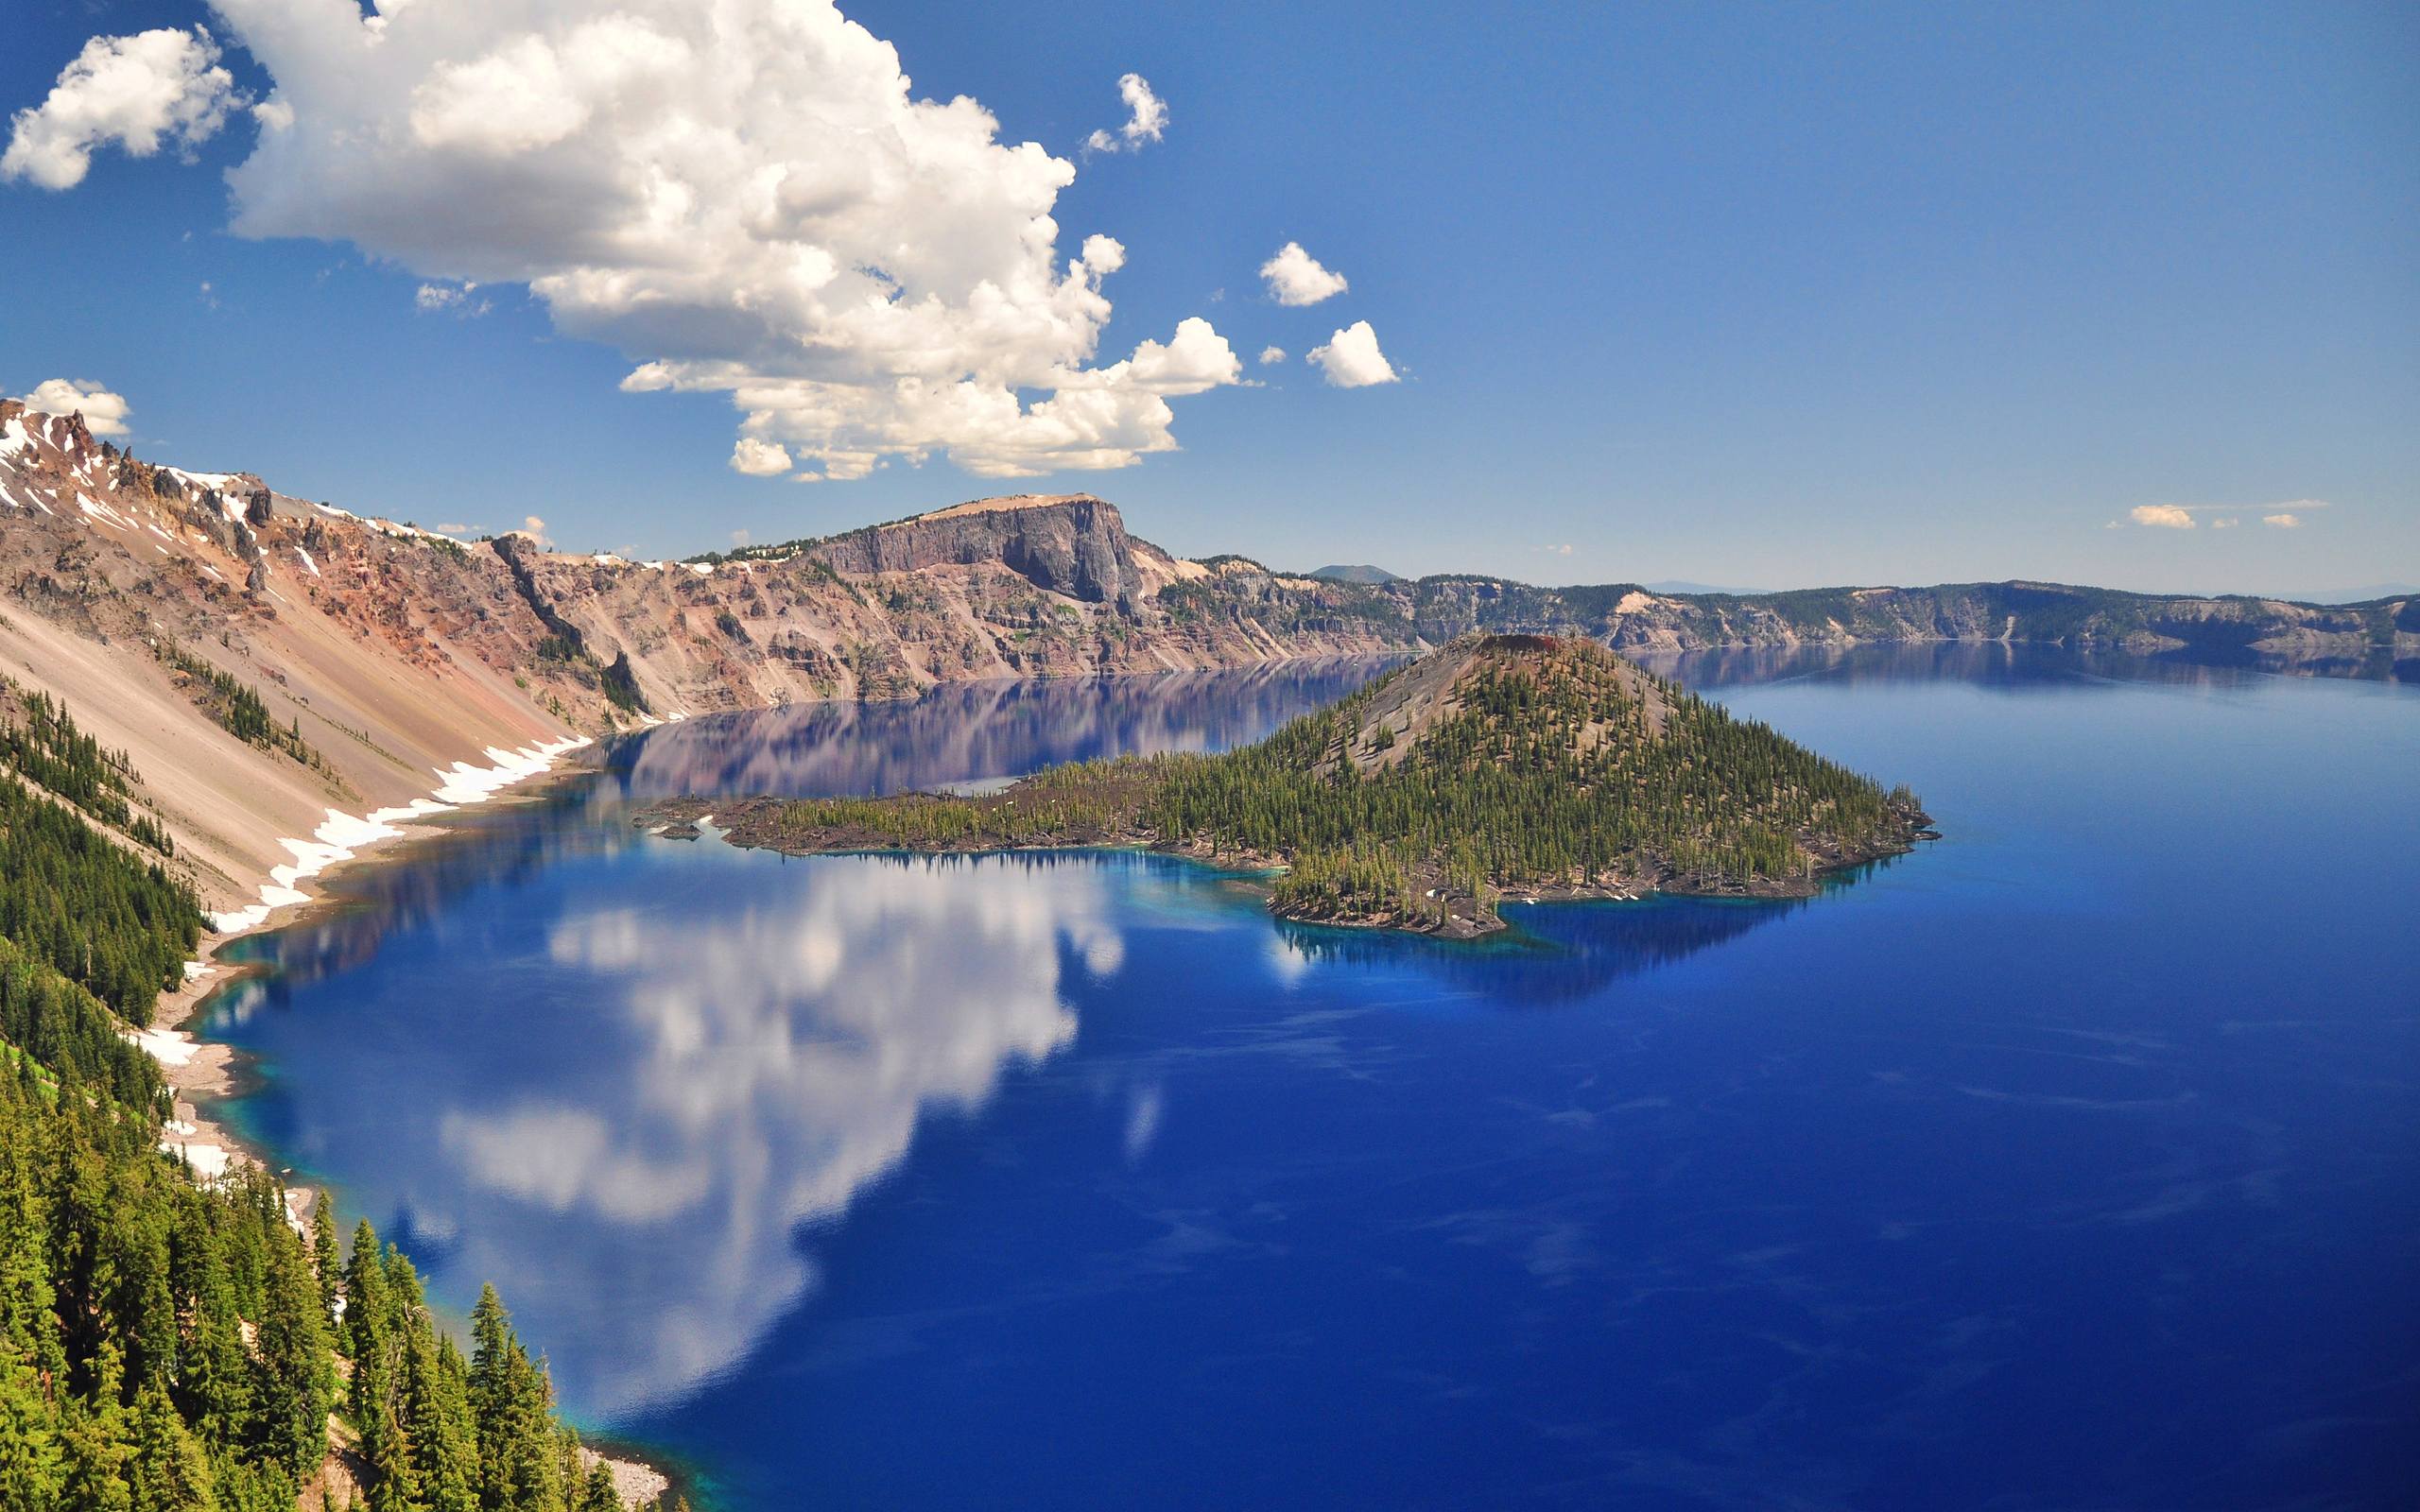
(2068, 1164)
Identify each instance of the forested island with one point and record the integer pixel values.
(172, 1341)
(1535, 766)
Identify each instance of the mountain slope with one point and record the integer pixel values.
(291, 677)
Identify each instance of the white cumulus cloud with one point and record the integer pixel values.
(2282, 520)
(1270, 356)
(438, 299)
(104, 412)
(1295, 277)
(1352, 359)
(1147, 118)
(759, 459)
(746, 197)
(2163, 516)
(139, 92)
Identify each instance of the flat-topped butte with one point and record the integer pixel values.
(1535, 766)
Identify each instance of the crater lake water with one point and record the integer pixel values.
(2071, 1163)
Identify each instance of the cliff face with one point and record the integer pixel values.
(1071, 544)
(145, 596)
(1033, 588)
(2382, 637)
(142, 595)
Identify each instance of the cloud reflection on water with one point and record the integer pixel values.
(771, 1061)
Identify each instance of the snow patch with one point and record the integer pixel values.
(466, 783)
(307, 561)
(342, 836)
(201, 481)
(170, 1047)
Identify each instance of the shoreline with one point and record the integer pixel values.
(201, 1071)
(680, 818)
(196, 1067)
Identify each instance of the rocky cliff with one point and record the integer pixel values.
(276, 665)
(273, 661)
(2378, 639)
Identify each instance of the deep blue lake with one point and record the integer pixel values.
(2072, 1163)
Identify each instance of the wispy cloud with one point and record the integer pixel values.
(2288, 515)
(449, 299)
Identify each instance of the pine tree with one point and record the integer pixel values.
(293, 1384)
(364, 1326)
(436, 1422)
(598, 1494)
(327, 1264)
(169, 1473)
(33, 1470)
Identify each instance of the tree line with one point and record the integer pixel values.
(1559, 766)
(171, 1341)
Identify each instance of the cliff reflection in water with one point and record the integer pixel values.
(972, 731)
(958, 734)
(2008, 666)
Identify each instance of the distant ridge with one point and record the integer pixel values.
(1355, 573)
(1678, 585)
(2371, 595)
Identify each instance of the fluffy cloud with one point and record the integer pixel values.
(745, 198)
(2163, 516)
(1270, 356)
(434, 298)
(759, 459)
(139, 92)
(104, 412)
(1295, 277)
(1147, 118)
(2282, 520)
(1352, 359)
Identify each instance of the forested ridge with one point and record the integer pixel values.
(169, 1342)
(1524, 763)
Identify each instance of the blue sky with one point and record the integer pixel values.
(1768, 297)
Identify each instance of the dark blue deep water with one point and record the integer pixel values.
(2074, 1162)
